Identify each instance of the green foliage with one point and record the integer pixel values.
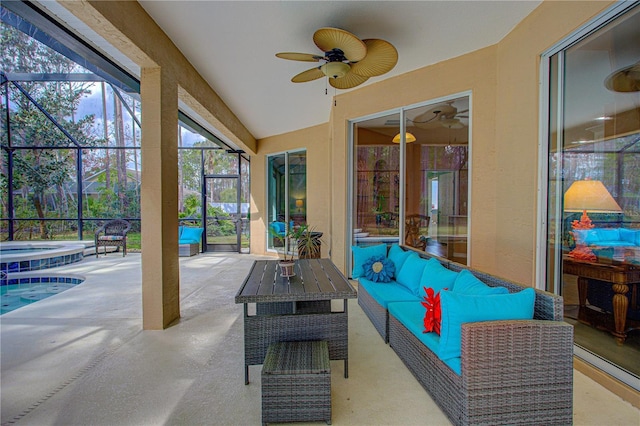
(191, 207)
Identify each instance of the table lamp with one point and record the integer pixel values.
(587, 196)
(299, 204)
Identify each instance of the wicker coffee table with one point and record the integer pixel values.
(300, 308)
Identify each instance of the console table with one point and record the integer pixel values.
(297, 308)
(619, 274)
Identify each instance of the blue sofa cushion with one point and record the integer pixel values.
(467, 283)
(385, 293)
(437, 277)
(398, 256)
(411, 314)
(460, 308)
(362, 254)
(278, 228)
(378, 269)
(410, 274)
(607, 234)
(190, 235)
(629, 236)
(607, 237)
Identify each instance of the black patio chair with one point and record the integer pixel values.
(114, 235)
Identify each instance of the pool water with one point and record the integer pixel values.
(31, 290)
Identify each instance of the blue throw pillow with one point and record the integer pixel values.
(437, 277)
(378, 269)
(467, 283)
(361, 254)
(411, 273)
(461, 308)
(398, 256)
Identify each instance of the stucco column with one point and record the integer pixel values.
(159, 199)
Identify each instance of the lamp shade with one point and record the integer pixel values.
(408, 137)
(299, 203)
(589, 195)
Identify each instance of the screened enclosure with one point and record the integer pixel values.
(70, 138)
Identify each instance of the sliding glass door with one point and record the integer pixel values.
(286, 193)
(410, 174)
(593, 192)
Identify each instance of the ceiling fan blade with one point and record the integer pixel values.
(308, 75)
(381, 58)
(432, 117)
(293, 56)
(348, 81)
(327, 39)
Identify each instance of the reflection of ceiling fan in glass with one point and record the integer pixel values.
(347, 61)
(445, 115)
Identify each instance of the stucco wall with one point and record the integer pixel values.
(504, 82)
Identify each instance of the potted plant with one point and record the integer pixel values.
(309, 242)
(284, 238)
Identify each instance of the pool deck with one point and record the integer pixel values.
(81, 357)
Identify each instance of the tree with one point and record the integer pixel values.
(42, 171)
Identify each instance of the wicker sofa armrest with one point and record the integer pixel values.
(529, 363)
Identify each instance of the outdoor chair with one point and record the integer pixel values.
(114, 234)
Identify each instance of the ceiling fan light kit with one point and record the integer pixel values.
(347, 60)
(335, 69)
(624, 80)
(408, 137)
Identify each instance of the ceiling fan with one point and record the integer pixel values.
(346, 60)
(445, 115)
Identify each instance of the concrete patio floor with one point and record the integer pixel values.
(81, 357)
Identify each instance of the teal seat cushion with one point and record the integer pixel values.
(385, 293)
(613, 243)
(462, 308)
(411, 273)
(411, 315)
(437, 277)
(398, 256)
(190, 235)
(467, 283)
(362, 254)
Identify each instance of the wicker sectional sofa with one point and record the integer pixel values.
(508, 371)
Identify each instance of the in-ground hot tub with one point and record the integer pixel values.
(18, 256)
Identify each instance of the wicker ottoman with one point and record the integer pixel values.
(296, 382)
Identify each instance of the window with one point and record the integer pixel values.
(593, 201)
(413, 189)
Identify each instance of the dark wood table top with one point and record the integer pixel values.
(604, 269)
(315, 279)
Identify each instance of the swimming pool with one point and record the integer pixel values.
(22, 277)
(25, 288)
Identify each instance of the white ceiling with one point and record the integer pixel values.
(233, 44)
